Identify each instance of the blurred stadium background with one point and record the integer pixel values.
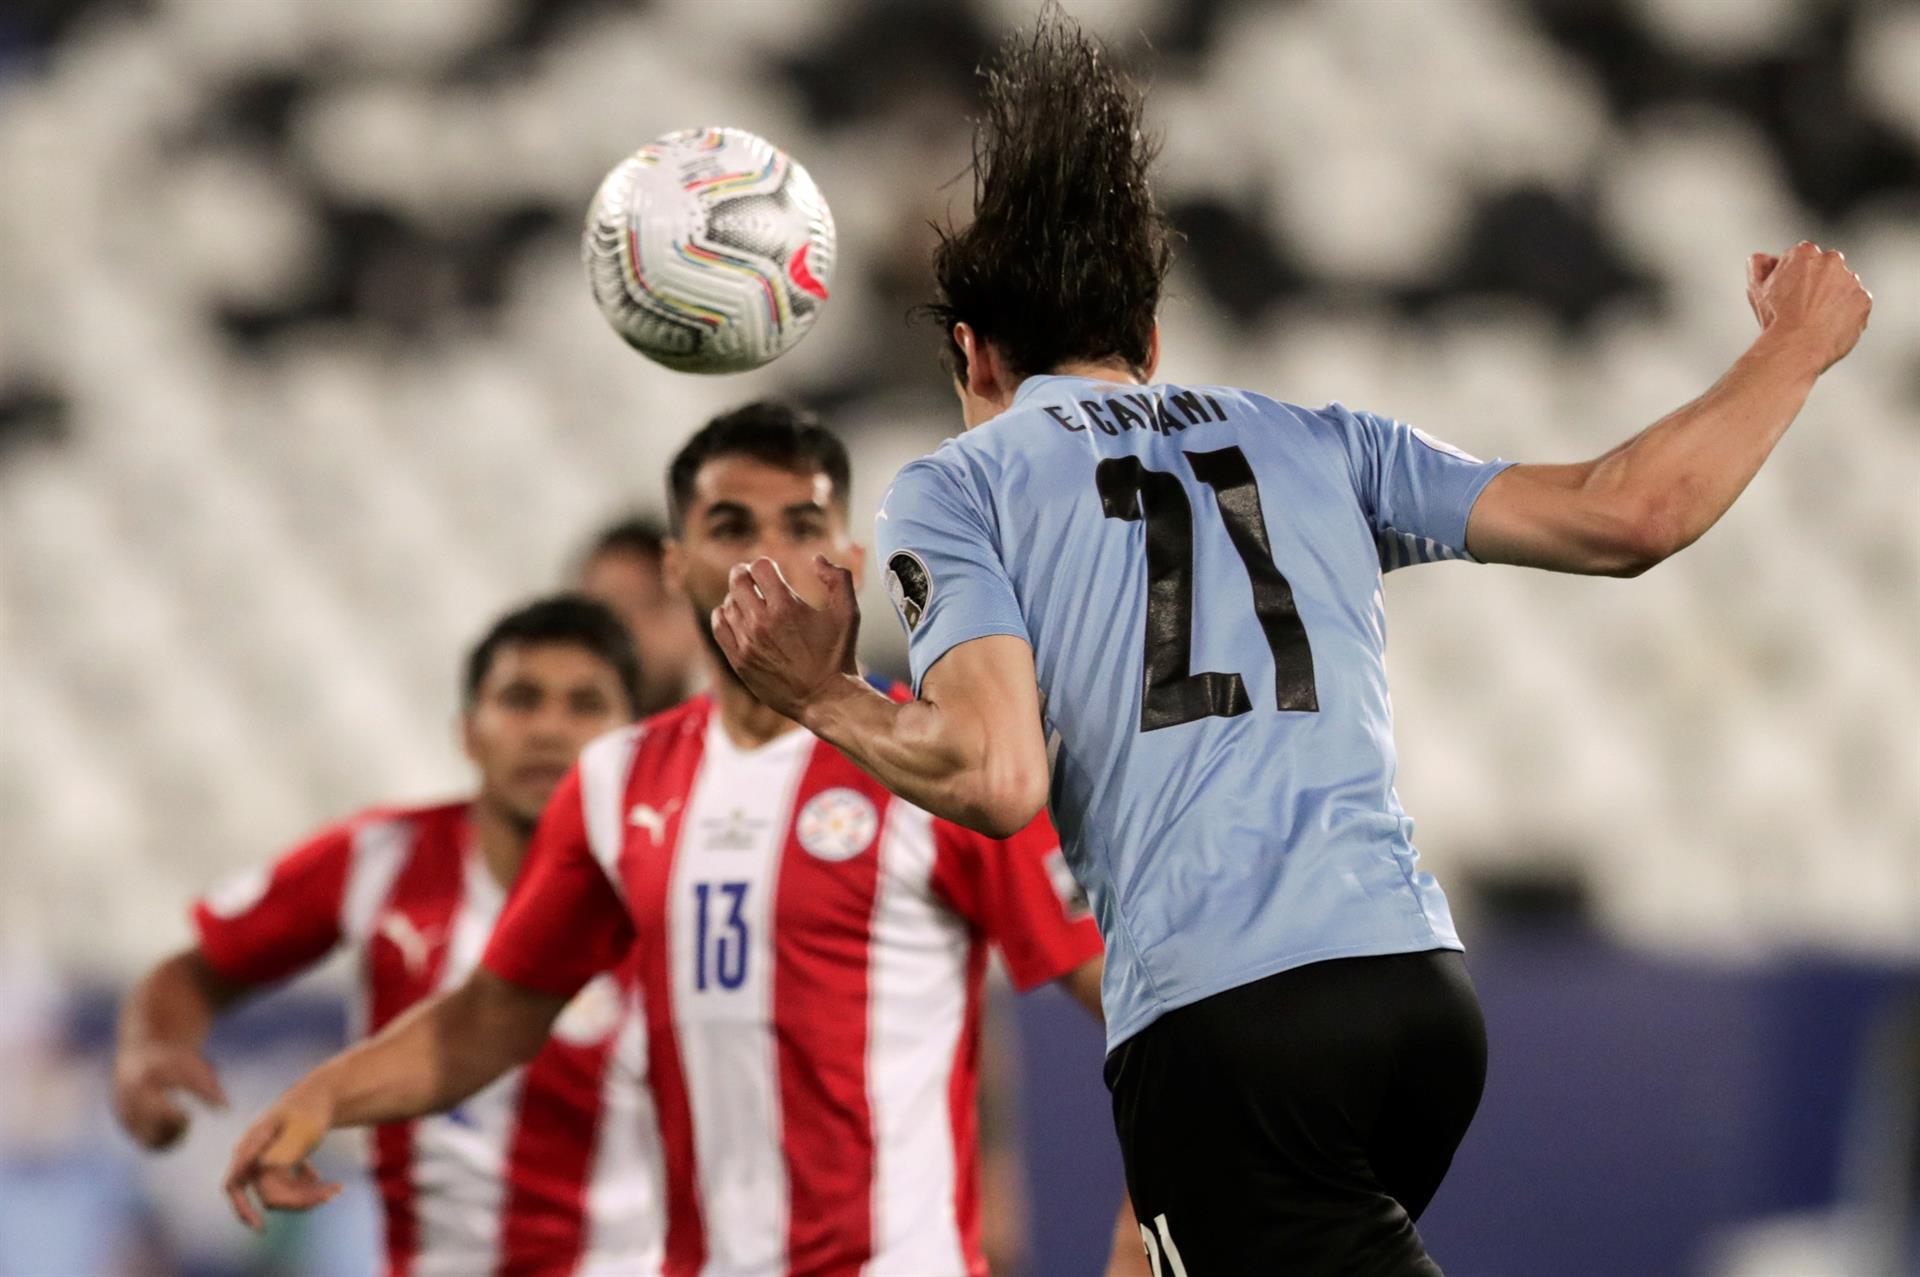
(300, 383)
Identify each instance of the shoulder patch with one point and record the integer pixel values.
(910, 586)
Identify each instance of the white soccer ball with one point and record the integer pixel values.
(709, 250)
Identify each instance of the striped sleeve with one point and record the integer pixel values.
(275, 921)
(564, 923)
(1404, 549)
(1019, 892)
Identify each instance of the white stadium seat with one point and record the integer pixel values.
(232, 600)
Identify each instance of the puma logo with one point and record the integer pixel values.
(652, 819)
(415, 948)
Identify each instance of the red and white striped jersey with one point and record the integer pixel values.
(543, 1173)
(810, 952)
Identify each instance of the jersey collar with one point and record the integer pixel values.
(1036, 384)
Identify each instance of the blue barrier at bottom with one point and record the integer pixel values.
(1635, 1107)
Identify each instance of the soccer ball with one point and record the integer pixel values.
(709, 250)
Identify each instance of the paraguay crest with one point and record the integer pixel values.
(837, 824)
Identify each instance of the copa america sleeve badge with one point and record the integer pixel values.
(910, 586)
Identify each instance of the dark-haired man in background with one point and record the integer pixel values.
(1171, 596)
(624, 567)
(518, 1181)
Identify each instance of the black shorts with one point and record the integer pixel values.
(1298, 1125)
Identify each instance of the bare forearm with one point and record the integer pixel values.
(1082, 984)
(1657, 493)
(163, 1025)
(1654, 494)
(1680, 475)
(938, 761)
(969, 748)
(176, 1003)
(427, 1061)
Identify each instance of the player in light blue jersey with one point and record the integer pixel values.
(1197, 572)
(1158, 606)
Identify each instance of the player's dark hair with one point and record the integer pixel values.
(632, 534)
(573, 619)
(771, 431)
(1067, 251)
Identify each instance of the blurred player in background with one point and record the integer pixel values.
(520, 1179)
(810, 949)
(1171, 595)
(624, 568)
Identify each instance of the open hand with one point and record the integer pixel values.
(783, 648)
(145, 1079)
(1809, 295)
(270, 1161)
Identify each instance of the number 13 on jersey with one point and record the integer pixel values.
(719, 935)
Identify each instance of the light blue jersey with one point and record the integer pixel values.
(1198, 572)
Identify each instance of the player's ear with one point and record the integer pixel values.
(971, 350)
(469, 737)
(1153, 353)
(956, 359)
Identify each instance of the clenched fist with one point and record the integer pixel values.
(1810, 297)
(783, 648)
(146, 1077)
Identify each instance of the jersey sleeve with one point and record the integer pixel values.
(1417, 490)
(275, 921)
(1020, 893)
(942, 565)
(563, 923)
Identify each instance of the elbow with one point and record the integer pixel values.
(1004, 799)
(520, 1046)
(485, 1029)
(520, 1040)
(1623, 524)
(1640, 539)
(1628, 560)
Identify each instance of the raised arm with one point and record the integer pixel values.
(427, 1061)
(1659, 492)
(969, 749)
